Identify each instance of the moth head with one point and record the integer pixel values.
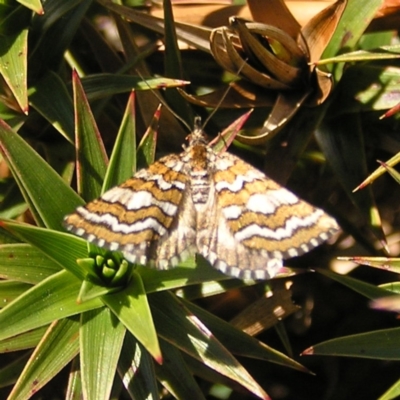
(197, 136)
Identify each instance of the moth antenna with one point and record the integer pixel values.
(164, 103)
(223, 97)
(197, 120)
(216, 107)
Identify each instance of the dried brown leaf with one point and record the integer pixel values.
(218, 39)
(322, 88)
(282, 71)
(321, 27)
(197, 36)
(284, 108)
(274, 12)
(281, 36)
(226, 54)
(267, 311)
(214, 15)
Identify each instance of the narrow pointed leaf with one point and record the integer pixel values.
(365, 289)
(351, 26)
(90, 291)
(178, 326)
(173, 65)
(74, 389)
(12, 204)
(57, 348)
(62, 248)
(31, 206)
(392, 393)
(136, 369)
(101, 338)
(10, 290)
(147, 147)
(7, 237)
(385, 263)
(176, 376)
(381, 345)
(52, 299)
(123, 157)
(58, 26)
(23, 341)
(103, 85)
(23, 263)
(45, 191)
(393, 173)
(10, 372)
(342, 142)
(190, 271)
(146, 101)
(228, 135)
(239, 342)
(173, 60)
(91, 154)
(379, 171)
(14, 54)
(132, 309)
(391, 287)
(381, 53)
(34, 5)
(368, 87)
(51, 99)
(389, 303)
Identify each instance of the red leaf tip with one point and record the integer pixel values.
(159, 359)
(75, 74)
(308, 352)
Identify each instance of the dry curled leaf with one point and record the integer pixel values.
(278, 59)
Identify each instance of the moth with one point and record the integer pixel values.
(203, 202)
